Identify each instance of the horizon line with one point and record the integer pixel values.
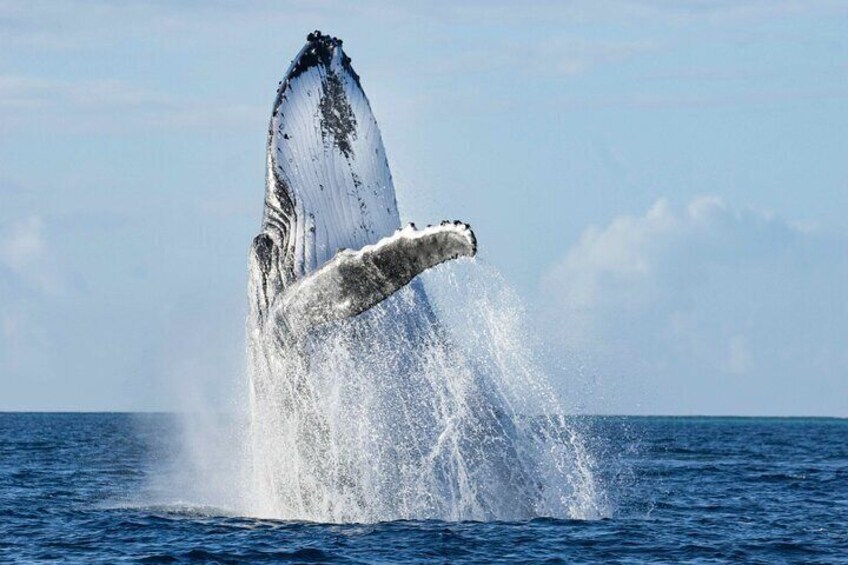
(577, 415)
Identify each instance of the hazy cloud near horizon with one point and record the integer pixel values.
(707, 308)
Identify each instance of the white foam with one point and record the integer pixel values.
(383, 420)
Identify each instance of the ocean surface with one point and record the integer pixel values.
(683, 490)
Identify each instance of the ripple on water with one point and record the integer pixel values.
(789, 503)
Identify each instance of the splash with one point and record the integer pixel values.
(393, 415)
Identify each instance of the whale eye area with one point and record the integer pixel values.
(263, 247)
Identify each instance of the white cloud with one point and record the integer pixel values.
(565, 56)
(25, 253)
(708, 309)
(29, 289)
(739, 357)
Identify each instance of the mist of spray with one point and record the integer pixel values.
(392, 415)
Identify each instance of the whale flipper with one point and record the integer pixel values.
(354, 281)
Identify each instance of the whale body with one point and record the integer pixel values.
(354, 414)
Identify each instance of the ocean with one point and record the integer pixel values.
(73, 488)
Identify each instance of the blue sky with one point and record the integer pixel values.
(665, 183)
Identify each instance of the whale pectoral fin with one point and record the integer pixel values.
(354, 281)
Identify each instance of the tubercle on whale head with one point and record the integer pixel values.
(318, 36)
(320, 49)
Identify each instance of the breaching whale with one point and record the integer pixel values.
(331, 244)
(361, 409)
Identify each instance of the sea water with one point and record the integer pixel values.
(76, 488)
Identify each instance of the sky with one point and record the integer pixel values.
(664, 183)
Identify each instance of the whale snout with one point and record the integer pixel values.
(328, 179)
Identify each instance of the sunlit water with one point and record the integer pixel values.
(77, 488)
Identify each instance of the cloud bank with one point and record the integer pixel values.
(81, 329)
(707, 309)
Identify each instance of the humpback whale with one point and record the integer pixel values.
(331, 244)
(353, 415)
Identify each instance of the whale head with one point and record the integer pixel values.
(329, 186)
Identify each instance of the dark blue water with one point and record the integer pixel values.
(686, 490)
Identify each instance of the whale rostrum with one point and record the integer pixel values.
(331, 244)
